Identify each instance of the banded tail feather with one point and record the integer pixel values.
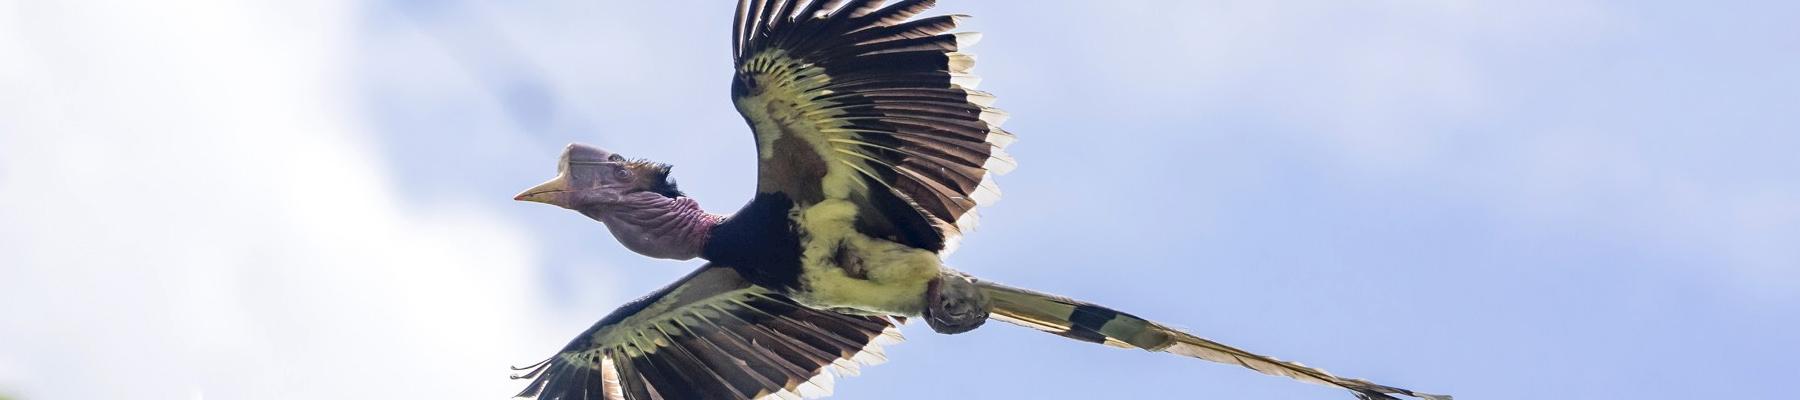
(1098, 324)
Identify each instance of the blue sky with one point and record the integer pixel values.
(1569, 199)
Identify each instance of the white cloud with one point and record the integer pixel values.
(187, 210)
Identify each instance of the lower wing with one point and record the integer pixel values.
(1093, 323)
(711, 335)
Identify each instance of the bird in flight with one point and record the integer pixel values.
(873, 150)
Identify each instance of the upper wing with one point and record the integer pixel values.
(713, 336)
(850, 100)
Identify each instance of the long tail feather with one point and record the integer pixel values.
(1097, 324)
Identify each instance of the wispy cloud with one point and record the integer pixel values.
(188, 209)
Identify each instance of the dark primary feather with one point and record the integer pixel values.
(712, 335)
(889, 95)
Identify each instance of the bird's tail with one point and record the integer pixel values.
(1097, 324)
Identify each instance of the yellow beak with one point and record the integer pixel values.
(546, 193)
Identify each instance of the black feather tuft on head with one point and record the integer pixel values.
(654, 177)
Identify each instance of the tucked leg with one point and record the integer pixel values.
(953, 304)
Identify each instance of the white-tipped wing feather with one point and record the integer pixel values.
(854, 101)
(711, 336)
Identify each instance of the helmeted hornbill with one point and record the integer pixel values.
(874, 149)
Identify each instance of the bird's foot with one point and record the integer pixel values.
(953, 304)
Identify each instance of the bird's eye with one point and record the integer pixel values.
(622, 173)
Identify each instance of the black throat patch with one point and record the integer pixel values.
(760, 242)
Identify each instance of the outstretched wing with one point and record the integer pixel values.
(711, 336)
(854, 101)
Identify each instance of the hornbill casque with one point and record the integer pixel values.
(874, 149)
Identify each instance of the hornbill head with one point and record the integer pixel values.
(591, 178)
(634, 198)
